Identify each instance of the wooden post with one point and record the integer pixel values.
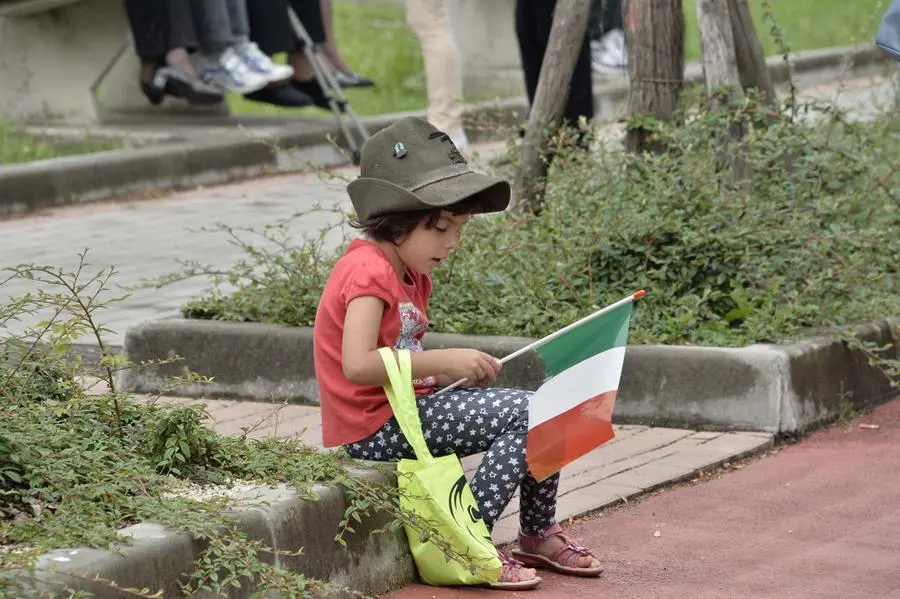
(721, 74)
(655, 30)
(570, 20)
(717, 45)
(751, 61)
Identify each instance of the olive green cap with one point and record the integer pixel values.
(411, 165)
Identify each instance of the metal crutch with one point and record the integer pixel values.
(336, 98)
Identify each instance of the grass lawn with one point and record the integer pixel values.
(374, 38)
(806, 24)
(18, 146)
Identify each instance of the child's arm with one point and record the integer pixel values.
(363, 366)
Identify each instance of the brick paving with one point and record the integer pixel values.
(639, 459)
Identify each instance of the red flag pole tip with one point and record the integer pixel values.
(639, 294)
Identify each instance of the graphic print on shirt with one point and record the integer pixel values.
(412, 324)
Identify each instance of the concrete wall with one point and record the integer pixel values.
(782, 389)
(157, 557)
(49, 59)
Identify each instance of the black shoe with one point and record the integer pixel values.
(176, 83)
(285, 95)
(312, 89)
(352, 79)
(154, 96)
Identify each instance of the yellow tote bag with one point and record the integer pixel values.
(435, 488)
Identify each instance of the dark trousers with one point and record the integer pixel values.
(158, 26)
(606, 15)
(271, 29)
(469, 421)
(534, 18)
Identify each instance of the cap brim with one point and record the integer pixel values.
(374, 197)
(493, 193)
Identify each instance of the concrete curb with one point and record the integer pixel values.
(635, 463)
(157, 556)
(209, 161)
(781, 389)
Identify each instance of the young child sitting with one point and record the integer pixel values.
(414, 196)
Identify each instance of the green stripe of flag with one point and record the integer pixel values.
(591, 338)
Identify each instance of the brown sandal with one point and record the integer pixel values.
(509, 576)
(564, 560)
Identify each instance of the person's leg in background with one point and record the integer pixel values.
(220, 61)
(346, 76)
(271, 31)
(581, 93)
(182, 36)
(430, 21)
(534, 19)
(531, 44)
(258, 61)
(607, 34)
(274, 33)
(149, 30)
(310, 14)
(163, 32)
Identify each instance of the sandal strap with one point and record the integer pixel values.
(569, 554)
(510, 569)
(566, 555)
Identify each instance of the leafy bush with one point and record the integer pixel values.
(810, 241)
(75, 466)
(86, 476)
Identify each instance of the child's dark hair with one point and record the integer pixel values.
(398, 226)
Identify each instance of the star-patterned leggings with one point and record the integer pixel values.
(468, 421)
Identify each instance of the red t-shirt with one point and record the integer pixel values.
(352, 412)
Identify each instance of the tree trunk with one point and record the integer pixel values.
(751, 61)
(655, 65)
(721, 75)
(570, 20)
(717, 45)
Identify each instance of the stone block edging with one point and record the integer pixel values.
(156, 556)
(781, 389)
(211, 161)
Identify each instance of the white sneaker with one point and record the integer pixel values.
(260, 63)
(608, 54)
(229, 72)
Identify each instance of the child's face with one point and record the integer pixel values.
(426, 249)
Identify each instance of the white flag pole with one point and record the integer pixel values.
(562, 331)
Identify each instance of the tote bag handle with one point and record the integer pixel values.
(402, 397)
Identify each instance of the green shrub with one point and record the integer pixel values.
(810, 241)
(77, 466)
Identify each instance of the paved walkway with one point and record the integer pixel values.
(146, 239)
(637, 460)
(816, 521)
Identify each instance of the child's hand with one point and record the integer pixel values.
(479, 368)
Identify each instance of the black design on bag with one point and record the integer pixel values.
(466, 513)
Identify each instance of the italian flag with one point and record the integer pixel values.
(571, 413)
